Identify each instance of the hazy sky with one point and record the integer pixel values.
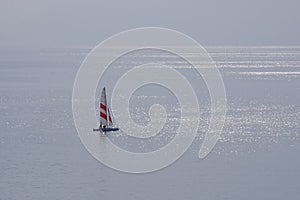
(35, 23)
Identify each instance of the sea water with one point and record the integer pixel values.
(257, 157)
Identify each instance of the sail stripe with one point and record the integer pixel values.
(102, 106)
(103, 115)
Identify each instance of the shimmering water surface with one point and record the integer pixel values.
(257, 157)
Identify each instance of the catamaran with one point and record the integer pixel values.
(106, 124)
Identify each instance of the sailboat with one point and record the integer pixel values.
(106, 124)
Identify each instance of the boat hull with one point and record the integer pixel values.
(109, 129)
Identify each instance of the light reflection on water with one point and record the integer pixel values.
(41, 155)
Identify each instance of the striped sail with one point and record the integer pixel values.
(103, 109)
(105, 116)
(109, 118)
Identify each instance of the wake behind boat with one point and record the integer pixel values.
(106, 124)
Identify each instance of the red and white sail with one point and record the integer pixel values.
(109, 118)
(105, 117)
(103, 109)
